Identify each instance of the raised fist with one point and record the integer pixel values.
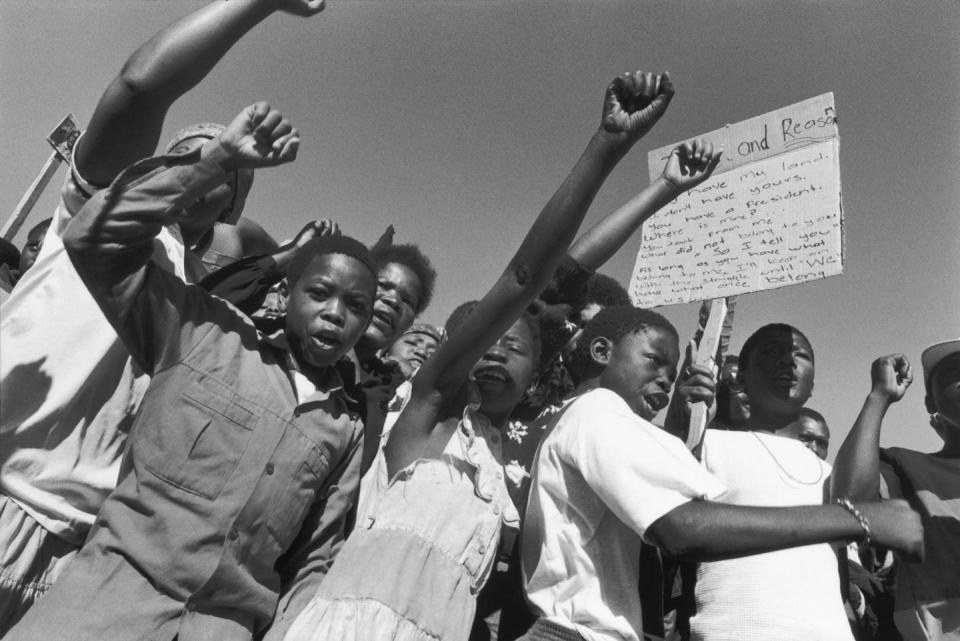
(259, 136)
(634, 103)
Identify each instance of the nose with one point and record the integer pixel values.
(495, 354)
(333, 312)
(390, 298)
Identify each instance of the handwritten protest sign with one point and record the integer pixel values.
(770, 215)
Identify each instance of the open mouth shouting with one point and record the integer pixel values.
(492, 374)
(655, 401)
(326, 340)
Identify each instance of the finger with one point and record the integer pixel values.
(666, 84)
(267, 125)
(280, 132)
(291, 146)
(712, 164)
(257, 112)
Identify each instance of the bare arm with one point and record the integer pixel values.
(704, 531)
(856, 472)
(632, 105)
(689, 165)
(127, 122)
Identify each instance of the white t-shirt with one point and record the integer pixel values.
(67, 389)
(601, 477)
(789, 594)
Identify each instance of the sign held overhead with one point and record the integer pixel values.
(770, 216)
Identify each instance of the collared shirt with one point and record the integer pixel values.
(602, 476)
(231, 453)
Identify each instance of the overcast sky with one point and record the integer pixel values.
(456, 120)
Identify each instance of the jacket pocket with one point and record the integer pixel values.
(200, 442)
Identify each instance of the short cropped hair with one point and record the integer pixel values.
(413, 259)
(613, 323)
(751, 343)
(814, 415)
(41, 227)
(462, 311)
(606, 291)
(328, 245)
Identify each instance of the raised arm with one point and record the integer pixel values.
(632, 105)
(856, 472)
(110, 241)
(127, 122)
(689, 164)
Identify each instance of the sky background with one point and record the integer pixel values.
(456, 120)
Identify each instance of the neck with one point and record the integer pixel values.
(765, 421)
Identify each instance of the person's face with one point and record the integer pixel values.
(733, 406)
(412, 351)
(506, 369)
(945, 388)
(641, 367)
(328, 308)
(398, 296)
(779, 375)
(814, 435)
(30, 250)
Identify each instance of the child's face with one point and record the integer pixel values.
(398, 297)
(328, 308)
(507, 368)
(412, 350)
(814, 435)
(945, 387)
(779, 375)
(641, 368)
(30, 250)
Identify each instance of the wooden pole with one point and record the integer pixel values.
(20, 213)
(706, 355)
(62, 139)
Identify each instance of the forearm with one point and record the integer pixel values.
(856, 472)
(705, 531)
(604, 239)
(554, 229)
(110, 240)
(128, 120)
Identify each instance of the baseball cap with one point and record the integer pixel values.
(936, 353)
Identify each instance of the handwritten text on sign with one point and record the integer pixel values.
(768, 217)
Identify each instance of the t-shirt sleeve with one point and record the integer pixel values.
(639, 471)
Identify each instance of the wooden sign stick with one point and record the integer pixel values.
(706, 355)
(61, 139)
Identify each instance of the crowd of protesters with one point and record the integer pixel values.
(207, 434)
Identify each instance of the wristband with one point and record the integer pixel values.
(845, 503)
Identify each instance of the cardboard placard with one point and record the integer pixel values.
(770, 216)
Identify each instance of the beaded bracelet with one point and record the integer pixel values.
(846, 504)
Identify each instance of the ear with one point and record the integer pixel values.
(283, 293)
(930, 403)
(600, 350)
(534, 381)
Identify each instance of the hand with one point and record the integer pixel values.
(634, 103)
(691, 163)
(316, 229)
(259, 136)
(891, 376)
(697, 382)
(895, 525)
(299, 7)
